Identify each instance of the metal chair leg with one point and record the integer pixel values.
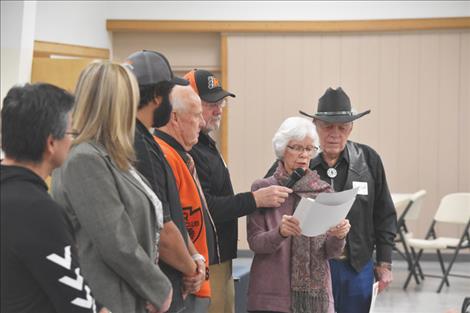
(420, 270)
(441, 262)
(454, 257)
(412, 271)
(408, 257)
(446, 274)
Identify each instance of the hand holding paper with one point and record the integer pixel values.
(341, 230)
(289, 226)
(327, 210)
(375, 292)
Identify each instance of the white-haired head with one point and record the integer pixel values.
(183, 96)
(293, 128)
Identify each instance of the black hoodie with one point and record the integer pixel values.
(39, 268)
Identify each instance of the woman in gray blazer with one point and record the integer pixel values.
(115, 215)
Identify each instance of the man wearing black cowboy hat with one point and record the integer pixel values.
(345, 165)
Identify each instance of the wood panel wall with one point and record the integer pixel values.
(417, 85)
(415, 79)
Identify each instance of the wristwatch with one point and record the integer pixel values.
(197, 257)
(200, 257)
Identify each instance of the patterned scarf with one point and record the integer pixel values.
(309, 269)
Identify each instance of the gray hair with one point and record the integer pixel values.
(293, 128)
(181, 97)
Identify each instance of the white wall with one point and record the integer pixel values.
(286, 10)
(83, 22)
(17, 42)
(73, 22)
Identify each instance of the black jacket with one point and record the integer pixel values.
(373, 217)
(152, 164)
(39, 264)
(225, 207)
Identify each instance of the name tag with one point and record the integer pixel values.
(362, 187)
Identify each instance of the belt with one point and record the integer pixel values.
(344, 256)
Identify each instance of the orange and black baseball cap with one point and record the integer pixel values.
(207, 86)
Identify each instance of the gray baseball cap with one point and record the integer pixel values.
(151, 67)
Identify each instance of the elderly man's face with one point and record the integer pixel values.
(298, 153)
(333, 137)
(191, 122)
(212, 113)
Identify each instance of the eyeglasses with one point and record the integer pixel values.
(300, 149)
(73, 133)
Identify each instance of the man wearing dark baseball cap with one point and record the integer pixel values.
(224, 206)
(151, 67)
(156, 80)
(207, 86)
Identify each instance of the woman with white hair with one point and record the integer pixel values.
(290, 272)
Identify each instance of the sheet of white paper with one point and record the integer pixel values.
(327, 210)
(375, 292)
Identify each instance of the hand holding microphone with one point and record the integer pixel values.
(271, 197)
(274, 196)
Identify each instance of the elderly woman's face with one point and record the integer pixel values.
(298, 153)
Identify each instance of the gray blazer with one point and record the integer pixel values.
(115, 229)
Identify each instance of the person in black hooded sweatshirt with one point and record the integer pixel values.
(39, 266)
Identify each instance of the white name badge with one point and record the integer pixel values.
(362, 187)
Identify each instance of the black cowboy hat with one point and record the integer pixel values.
(335, 107)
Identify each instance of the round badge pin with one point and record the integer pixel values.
(331, 172)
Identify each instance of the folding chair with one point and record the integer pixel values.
(401, 206)
(411, 212)
(454, 208)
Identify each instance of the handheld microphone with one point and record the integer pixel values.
(297, 174)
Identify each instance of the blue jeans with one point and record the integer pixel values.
(352, 291)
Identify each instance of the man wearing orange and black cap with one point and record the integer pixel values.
(224, 206)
